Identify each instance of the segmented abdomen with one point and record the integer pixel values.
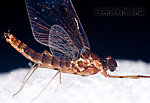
(23, 48)
(47, 60)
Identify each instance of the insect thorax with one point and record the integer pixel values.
(87, 65)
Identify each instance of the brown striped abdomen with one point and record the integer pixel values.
(47, 60)
(23, 48)
(56, 63)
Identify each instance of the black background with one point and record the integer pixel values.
(122, 37)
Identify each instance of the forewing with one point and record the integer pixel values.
(46, 14)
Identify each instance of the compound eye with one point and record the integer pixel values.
(112, 65)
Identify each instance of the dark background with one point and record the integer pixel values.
(122, 37)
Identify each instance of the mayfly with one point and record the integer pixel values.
(55, 24)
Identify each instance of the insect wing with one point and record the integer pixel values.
(60, 40)
(47, 17)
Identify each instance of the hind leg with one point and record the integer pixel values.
(25, 81)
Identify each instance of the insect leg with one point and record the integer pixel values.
(60, 77)
(25, 81)
(60, 70)
(45, 86)
(128, 76)
(29, 71)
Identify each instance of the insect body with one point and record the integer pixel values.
(87, 64)
(55, 24)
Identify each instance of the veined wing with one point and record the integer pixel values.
(48, 16)
(60, 39)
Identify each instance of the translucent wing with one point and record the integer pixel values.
(55, 24)
(59, 40)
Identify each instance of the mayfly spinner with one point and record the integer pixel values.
(55, 24)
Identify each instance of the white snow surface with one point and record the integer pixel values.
(77, 89)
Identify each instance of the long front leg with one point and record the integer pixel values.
(128, 76)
